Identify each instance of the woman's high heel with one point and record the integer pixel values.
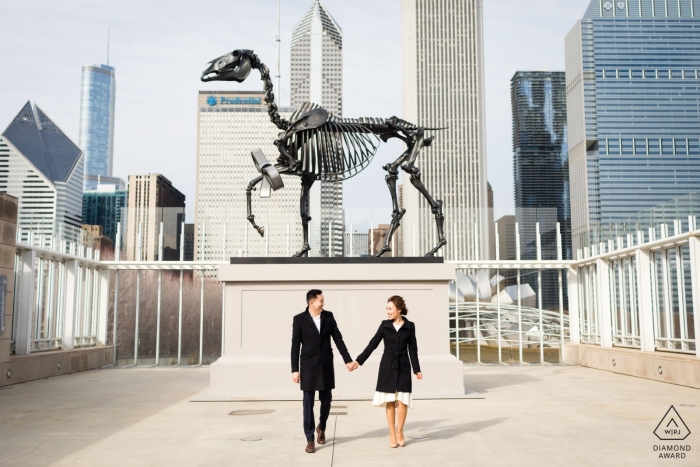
(393, 445)
(401, 443)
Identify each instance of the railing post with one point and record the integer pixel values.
(477, 257)
(561, 297)
(539, 291)
(179, 313)
(646, 317)
(413, 239)
(694, 243)
(115, 318)
(603, 276)
(520, 309)
(72, 300)
(498, 294)
(574, 312)
(201, 320)
(352, 242)
(23, 337)
(159, 293)
(103, 307)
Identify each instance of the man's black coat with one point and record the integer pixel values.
(316, 356)
(395, 366)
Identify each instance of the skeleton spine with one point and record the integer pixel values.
(275, 117)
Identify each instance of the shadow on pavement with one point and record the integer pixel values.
(428, 428)
(481, 383)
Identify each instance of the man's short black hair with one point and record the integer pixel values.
(311, 294)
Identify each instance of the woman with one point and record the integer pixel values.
(394, 380)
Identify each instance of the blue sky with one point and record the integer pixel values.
(159, 53)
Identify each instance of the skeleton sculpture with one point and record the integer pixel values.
(315, 145)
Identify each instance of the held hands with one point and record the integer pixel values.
(419, 375)
(352, 366)
(295, 377)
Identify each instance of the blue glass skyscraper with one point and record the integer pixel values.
(96, 131)
(541, 171)
(633, 100)
(540, 160)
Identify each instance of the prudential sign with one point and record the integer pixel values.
(221, 100)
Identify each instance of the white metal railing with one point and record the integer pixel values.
(489, 315)
(59, 296)
(641, 291)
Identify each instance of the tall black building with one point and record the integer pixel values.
(541, 171)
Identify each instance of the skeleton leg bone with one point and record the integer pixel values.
(391, 178)
(306, 183)
(249, 206)
(435, 206)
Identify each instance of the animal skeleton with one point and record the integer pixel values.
(316, 145)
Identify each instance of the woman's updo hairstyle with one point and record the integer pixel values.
(399, 303)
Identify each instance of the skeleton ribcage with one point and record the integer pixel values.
(336, 150)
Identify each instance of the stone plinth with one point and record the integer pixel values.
(262, 296)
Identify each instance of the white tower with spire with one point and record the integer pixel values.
(317, 76)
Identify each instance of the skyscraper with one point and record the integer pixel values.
(506, 238)
(443, 86)
(96, 130)
(105, 207)
(229, 126)
(43, 168)
(317, 76)
(153, 202)
(541, 171)
(540, 161)
(633, 103)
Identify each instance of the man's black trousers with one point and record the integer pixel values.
(309, 423)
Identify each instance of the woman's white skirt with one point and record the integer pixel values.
(382, 398)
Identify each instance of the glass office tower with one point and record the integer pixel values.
(633, 99)
(540, 161)
(96, 130)
(105, 207)
(541, 170)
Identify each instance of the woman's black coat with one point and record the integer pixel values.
(395, 367)
(316, 371)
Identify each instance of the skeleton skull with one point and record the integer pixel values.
(234, 66)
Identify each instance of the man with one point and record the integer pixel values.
(311, 334)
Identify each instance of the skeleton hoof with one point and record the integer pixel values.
(440, 244)
(261, 231)
(303, 252)
(386, 249)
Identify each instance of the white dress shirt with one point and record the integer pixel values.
(317, 321)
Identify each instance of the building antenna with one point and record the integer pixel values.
(107, 46)
(279, 91)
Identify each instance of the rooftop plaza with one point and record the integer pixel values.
(523, 415)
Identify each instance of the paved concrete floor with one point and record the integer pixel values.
(532, 415)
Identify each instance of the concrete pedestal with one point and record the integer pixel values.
(262, 298)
